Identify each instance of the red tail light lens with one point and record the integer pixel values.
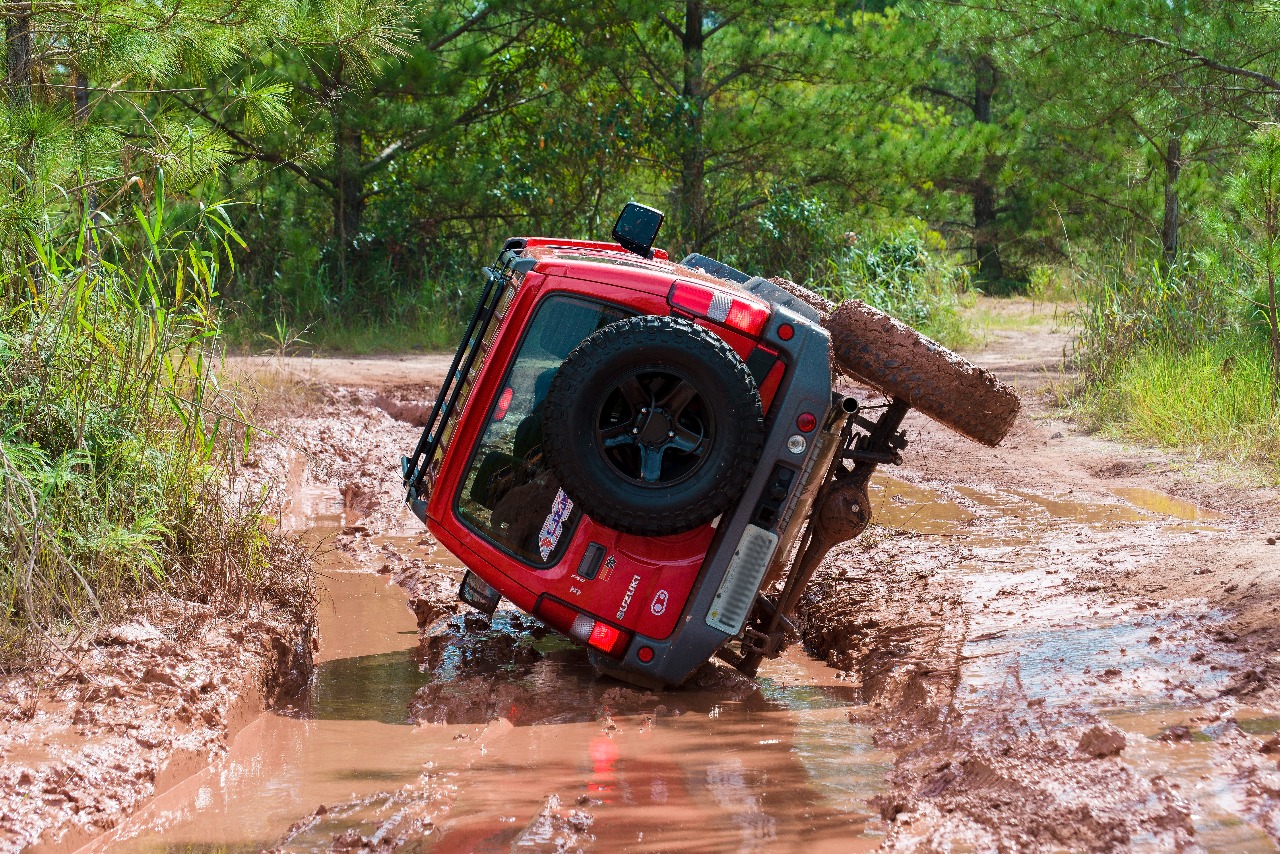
(610, 641)
(582, 627)
(739, 311)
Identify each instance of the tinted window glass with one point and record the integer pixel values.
(509, 495)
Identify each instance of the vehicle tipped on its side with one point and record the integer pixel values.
(626, 447)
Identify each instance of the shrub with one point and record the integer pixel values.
(905, 274)
(114, 440)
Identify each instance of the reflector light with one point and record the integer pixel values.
(645, 654)
(806, 422)
(742, 313)
(786, 332)
(582, 627)
(504, 403)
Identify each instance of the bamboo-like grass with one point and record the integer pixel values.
(117, 446)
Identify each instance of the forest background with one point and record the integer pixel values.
(186, 174)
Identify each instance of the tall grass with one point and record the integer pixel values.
(115, 442)
(1173, 357)
(1211, 399)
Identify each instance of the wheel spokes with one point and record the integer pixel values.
(648, 414)
(678, 398)
(650, 463)
(687, 441)
(634, 394)
(617, 435)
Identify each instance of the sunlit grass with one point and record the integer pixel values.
(1211, 399)
(118, 447)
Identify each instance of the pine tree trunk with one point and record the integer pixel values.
(693, 158)
(985, 240)
(348, 195)
(1169, 229)
(17, 37)
(348, 200)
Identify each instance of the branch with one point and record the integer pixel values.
(256, 151)
(943, 93)
(720, 26)
(1206, 61)
(461, 29)
(666, 22)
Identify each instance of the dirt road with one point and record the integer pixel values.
(1063, 643)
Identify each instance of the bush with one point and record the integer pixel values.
(1175, 357)
(114, 440)
(905, 274)
(1134, 305)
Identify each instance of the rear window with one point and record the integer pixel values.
(509, 495)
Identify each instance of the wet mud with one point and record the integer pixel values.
(136, 708)
(1059, 644)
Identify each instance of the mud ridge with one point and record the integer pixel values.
(151, 700)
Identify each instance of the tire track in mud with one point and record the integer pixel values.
(1020, 636)
(1014, 634)
(1045, 660)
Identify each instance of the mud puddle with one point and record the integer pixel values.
(1181, 745)
(553, 754)
(779, 767)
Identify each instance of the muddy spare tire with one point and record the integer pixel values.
(653, 426)
(893, 358)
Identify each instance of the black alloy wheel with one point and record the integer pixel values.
(653, 426)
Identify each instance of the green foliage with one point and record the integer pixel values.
(1137, 303)
(1250, 228)
(114, 438)
(1171, 357)
(797, 235)
(1210, 398)
(905, 273)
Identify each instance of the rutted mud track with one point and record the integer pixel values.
(1058, 644)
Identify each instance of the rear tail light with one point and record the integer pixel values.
(736, 310)
(608, 639)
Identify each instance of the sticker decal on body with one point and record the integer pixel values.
(553, 527)
(659, 606)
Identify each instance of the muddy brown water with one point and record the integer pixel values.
(782, 770)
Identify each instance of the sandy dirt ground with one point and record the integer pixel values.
(1064, 643)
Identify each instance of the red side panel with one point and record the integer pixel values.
(643, 582)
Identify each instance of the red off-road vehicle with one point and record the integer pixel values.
(649, 456)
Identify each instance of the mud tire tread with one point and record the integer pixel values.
(568, 438)
(891, 357)
(814, 300)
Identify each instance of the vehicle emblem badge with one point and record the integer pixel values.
(626, 600)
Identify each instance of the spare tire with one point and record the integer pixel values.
(893, 358)
(653, 426)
